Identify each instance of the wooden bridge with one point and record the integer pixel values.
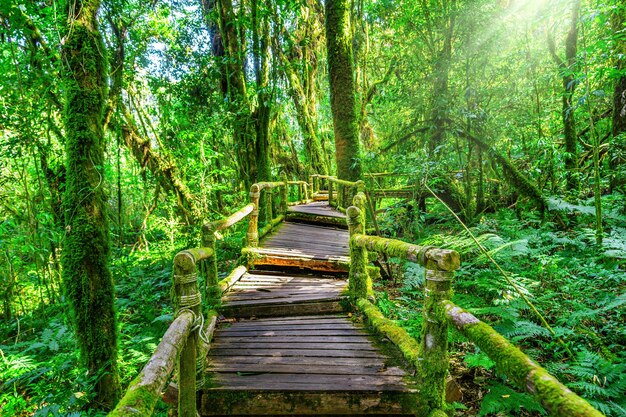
(294, 331)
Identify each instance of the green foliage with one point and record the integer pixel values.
(502, 399)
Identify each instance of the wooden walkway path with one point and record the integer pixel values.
(287, 347)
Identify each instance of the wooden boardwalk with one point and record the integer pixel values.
(287, 347)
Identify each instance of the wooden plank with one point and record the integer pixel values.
(306, 339)
(332, 382)
(279, 310)
(295, 352)
(305, 369)
(289, 327)
(299, 360)
(285, 300)
(366, 346)
(293, 331)
(258, 402)
(301, 318)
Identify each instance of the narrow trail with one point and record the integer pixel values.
(287, 347)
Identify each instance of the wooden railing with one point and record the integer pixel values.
(185, 343)
(430, 355)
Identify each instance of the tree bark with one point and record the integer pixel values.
(619, 103)
(243, 133)
(87, 279)
(342, 93)
(567, 69)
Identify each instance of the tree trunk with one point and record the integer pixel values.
(243, 133)
(567, 70)
(86, 274)
(619, 104)
(342, 99)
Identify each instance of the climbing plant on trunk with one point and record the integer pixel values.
(86, 274)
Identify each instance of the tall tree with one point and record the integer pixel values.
(86, 274)
(342, 92)
(567, 70)
(619, 98)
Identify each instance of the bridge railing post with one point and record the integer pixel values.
(253, 225)
(284, 193)
(433, 360)
(330, 193)
(358, 283)
(187, 299)
(211, 286)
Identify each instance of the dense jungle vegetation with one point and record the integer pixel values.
(126, 124)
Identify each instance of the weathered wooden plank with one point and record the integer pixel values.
(300, 339)
(300, 318)
(285, 300)
(297, 352)
(287, 328)
(221, 343)
(259, 402)
(300, 360)
(273, 309)
(291, 331)
(332, 382)
(350, 370)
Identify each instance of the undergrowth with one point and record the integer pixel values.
(579, 288)
(39, 371)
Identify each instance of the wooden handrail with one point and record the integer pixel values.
(559, 400)
(143, 393)
(431, 358)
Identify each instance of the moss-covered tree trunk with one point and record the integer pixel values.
(300, 65)
(568, 77)
(243, 126)
(86, 274)
(342, 97)
(619, 103)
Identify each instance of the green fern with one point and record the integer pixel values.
(601, 381)
(502, 399)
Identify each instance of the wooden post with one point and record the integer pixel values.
(330, 193)
(269, 205)
(433, 355)
(187, 299)
(211, 287)
(300, 192)
(358, 278)
(284, 195)
(306, 191)
(253, 226)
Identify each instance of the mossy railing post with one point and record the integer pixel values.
(211, 286)
(433, 358)
(330, 193)
(358, 278)
(187, 299)
(268, 214)
(253, 226)
(284, 193)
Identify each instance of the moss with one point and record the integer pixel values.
(434, 360)
(407, 345)
(342, 91)
(85, 257)
(523, 371)
(137, 402)
(437, 413)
